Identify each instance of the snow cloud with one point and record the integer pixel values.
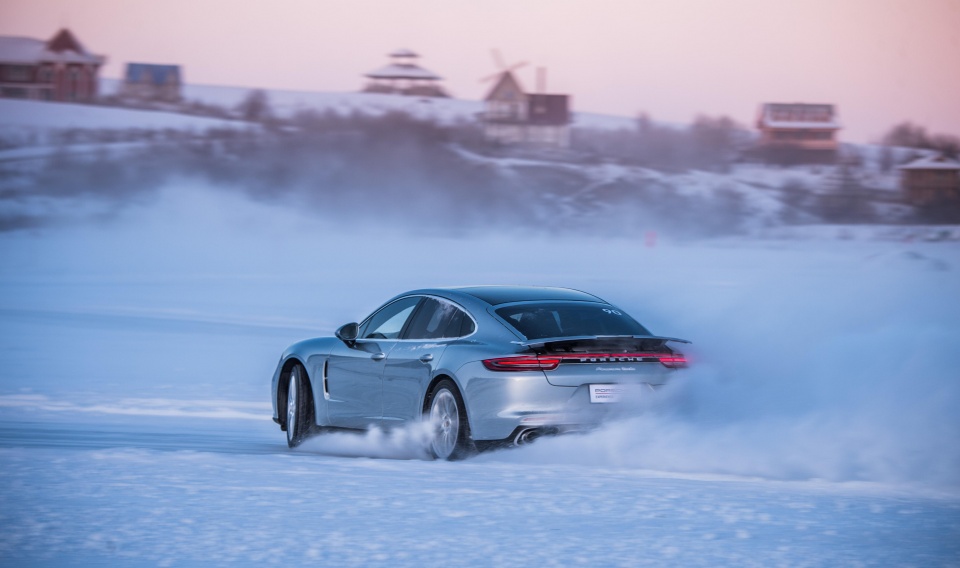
(409, 442)
(818, 364)
(812, 358)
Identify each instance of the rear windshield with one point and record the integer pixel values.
(569, 319)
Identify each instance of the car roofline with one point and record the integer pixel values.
(533, 293)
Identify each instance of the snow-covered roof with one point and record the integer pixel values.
(30, 51)
(404, 53)
(932, 163)
(21, 49)
(798, 116)
(799, 124)
(809, 124)
(402, 71)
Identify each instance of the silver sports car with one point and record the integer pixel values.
(483, 365)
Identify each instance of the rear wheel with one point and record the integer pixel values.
(451, 432)
(299, 407)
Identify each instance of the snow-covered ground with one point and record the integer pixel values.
(47, 115)
(817, 425)
(37, 130)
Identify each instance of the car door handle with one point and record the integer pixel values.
(426, 358)
(378, 356)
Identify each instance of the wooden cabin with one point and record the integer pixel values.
(931, 180)
(58, 69)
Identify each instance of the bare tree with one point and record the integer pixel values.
(913, 136)
(255, 107)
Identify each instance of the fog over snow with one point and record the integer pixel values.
(817, 425)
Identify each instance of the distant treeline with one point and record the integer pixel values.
(394, 168)
(710, 143)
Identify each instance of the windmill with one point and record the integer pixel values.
(512, 115)
(504, 69)
(506, 100)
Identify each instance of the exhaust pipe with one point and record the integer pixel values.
(526, 436)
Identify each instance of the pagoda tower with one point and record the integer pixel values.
(404, 76)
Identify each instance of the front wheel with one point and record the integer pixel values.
(299, 406)
(451, 432)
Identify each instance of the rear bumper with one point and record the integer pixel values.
(499, 406)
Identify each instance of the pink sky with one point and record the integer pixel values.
(880, 61)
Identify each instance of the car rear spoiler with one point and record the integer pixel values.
(539, 343)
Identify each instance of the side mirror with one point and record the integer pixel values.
(348, 333)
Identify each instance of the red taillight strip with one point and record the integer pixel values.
(551, 362)
(668, 359)
(673, 361)
(522, 363)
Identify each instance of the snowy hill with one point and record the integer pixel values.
(286, 103)
(23, 114)
(579, 190)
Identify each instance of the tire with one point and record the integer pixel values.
(299, 407)
(451, 435)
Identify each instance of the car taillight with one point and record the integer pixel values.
(551, 362)
(673, 360)
(522, 363)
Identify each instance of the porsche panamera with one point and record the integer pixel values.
(482, 365)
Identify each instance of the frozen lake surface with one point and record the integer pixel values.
(817, 425)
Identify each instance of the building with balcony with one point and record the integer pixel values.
(798, 132)
(58, 69)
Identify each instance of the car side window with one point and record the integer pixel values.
(388, 322)
(437, 319)
(467, 326)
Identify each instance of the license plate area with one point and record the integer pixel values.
(608, 393)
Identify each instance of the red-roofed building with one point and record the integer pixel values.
(59, 69)
(930, 180)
